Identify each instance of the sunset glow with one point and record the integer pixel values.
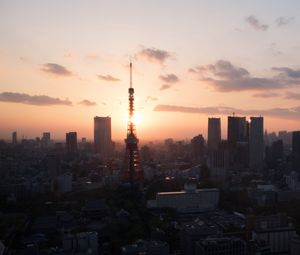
(62, 64)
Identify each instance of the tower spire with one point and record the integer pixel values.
(130, 73)
(131, 171)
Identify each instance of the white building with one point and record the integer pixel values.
(189, 200)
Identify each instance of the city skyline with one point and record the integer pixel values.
(221, 58)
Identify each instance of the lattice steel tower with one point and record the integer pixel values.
(132, 171)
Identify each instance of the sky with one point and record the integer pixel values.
(62, 62)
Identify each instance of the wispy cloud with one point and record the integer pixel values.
(267, 94)
(225, 77)
(86, 102)
(170, 78)
(154, 55)
(56, 69)
(40, 100)
(256, 24)
(150, 98)
(165, 86)
(286, 113)
(283, 21)
(292, 95)
(23, 59)
(92, 56)
(107, 77)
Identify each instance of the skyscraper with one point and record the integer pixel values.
(102, 136)
(46, 139)
(71, 142)
(237, 130)
(237, 141)
(198, 148)
(296, 142)
(14, 138)
(296, 150)
(214, 133)
(256, 143)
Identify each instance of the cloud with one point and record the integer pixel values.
(107, 78)
(222, 69)
(92, 56)
(165, 86)
(171, 78)
(56, 69)
(150, 98)
(283, 21)
(23, 59)
(256, 24)
(292, 95)
(288, 72)
(154, 55)
(286, 113)
(226, 77)
(40, 100)
(86, 102)
(266, 94)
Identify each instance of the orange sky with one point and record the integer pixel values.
(61, 64)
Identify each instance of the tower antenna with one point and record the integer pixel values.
(130, 73)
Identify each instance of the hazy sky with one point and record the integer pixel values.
(62, 62)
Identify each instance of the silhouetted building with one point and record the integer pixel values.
(102, 136)
(285, 136)
(214, 133)
(276, 230)
(237, 130)
(81, 243)
(256, 143)
(192, 232)
(14, 138)
(198, 148)
(46, 139)
(295, 246)
(274, 153)
(296, 151)
(296, 142)
(71, 142)
(150, 247)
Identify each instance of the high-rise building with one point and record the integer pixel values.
(296, 150)
(237, 130)
(14, 138)
(296, 142)
(256, 143)
(214, 133)
(71, 142)
(102, 136)
(198, 148)
(46, 139)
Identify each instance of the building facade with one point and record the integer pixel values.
(214, 133)
(102, 136)
(71, 142)
(256, 143)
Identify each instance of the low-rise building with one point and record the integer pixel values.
(189, 200)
